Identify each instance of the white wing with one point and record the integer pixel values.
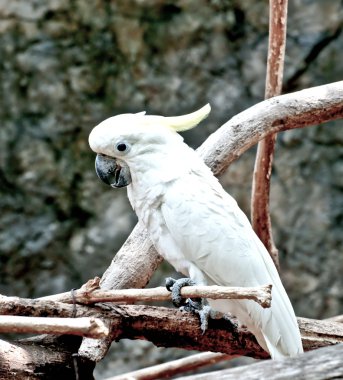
(214, 234)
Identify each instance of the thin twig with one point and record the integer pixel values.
(260, 215)
(90, 294)
(87, 327)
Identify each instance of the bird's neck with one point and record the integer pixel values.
(154, 172)
(161, 166)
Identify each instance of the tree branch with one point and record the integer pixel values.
(90, 294)
(186, 364)
(299, 109)
(87, 327)
(260, 215)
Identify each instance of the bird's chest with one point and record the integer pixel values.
(146, 202)
(148, 207)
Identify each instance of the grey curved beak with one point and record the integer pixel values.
(111, 172)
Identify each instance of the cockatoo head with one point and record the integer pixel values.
(123, 140)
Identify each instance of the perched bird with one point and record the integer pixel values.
(192, 221)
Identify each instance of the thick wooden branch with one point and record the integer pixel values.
(171, 328)
(90, 294)
(260, 215)
(185, 364)
(137, 260)
(322, 364)
(87, 327)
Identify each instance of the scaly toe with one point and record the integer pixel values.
(175, 287)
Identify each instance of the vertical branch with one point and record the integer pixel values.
(260, 216)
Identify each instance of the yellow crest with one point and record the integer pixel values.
(186, 122)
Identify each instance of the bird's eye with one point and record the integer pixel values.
(122, 147)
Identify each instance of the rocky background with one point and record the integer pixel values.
(65, 65)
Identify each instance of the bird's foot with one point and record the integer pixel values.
(175, 286)
(197, 306)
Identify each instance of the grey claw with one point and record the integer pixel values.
(190, 305)
(170, 283)
(175, 287)
(204, 315)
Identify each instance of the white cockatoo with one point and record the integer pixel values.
(192, 221)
